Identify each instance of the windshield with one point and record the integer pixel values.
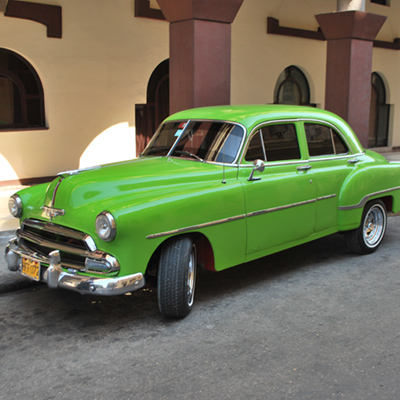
(201, 140)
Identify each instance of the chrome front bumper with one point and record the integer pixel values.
(56, 277)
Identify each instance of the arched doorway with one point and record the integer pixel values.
(379, 113)
(150, 115)
(292, 87)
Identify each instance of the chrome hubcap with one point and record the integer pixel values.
(374, 226)
(191, 277)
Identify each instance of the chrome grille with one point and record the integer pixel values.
(36, 239)
(44, 237)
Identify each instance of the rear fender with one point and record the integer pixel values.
(365, 184)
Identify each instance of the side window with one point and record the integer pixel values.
(323, 140)
(274, 143)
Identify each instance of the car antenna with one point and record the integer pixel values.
(223, 164)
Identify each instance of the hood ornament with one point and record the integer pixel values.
(52, 212)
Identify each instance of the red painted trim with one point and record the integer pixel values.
(48, 15)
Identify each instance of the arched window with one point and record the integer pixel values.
(292, 87)
(21, 93)
(156, 109)
(379, 113)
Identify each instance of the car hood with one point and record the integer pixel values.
(133, 182)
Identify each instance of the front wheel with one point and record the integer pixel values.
(368, 236)
(177, 277)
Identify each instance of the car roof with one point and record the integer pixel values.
(247, 114)
(252, 115)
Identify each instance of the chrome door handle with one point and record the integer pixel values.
(353, 160)
(304, 167)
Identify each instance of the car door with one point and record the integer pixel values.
(331, 162)
(280, 201)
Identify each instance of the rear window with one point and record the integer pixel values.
(322, 140)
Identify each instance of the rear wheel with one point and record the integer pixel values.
(368, 236)
(177, 277)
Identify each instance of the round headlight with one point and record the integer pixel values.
(15, 206)
(105, 226)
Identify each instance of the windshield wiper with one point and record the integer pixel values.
(187, 153)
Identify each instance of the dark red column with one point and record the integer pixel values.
(200, 51)
(350, 36)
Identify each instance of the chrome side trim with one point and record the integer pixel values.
(301, 203)
(190, 228)
(330, 196)
(335, 157)
(366, 198)
(269, 210)
(305, 161)
(238, 217)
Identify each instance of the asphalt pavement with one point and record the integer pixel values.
(314, 322)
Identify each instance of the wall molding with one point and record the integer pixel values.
(274, 28)
(27, 181)
(143, 10)
(48, 15)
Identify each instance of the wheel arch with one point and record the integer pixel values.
(352, 218)
(388, 201)
(205, 252)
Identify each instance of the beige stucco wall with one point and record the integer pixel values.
(99, 70)
(387, 64)
(92, 79)
(259, 58)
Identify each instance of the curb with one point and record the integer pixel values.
(6, 234)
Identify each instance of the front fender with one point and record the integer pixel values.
(214, 210)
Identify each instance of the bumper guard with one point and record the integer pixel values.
(57, 278)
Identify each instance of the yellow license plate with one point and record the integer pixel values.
(31, 269)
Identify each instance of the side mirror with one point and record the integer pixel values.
(258, 165)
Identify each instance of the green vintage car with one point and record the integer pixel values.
(215, 187)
